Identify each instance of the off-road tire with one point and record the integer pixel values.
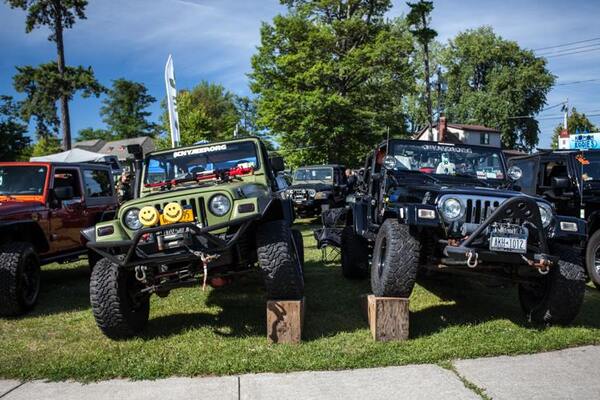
(354, 255)
(299, 241)
(395, 261)
(593, 245)
(20, 278)
(116, 314)
(559, 297)
(279, 261)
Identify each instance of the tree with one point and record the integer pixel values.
(57, 15)
(44, 86)
(125, 110)
(46, 145)
(13, 139)
(247, 112)
(206, 112)
(330, 76)
(93, 134)
(493, 82)
(419, 20)
(576, 122)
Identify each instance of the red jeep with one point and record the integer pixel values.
(43, 207)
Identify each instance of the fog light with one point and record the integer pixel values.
(106, 230)
(568, 226)
(425, 213)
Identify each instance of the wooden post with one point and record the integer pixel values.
(388, 318)
(285, 319)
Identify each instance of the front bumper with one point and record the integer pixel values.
(474, 250)
(193, 242)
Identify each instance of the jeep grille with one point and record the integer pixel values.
(300, 194)
(477, 208)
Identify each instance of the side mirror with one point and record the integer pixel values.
(277, 164)
(560, 183)
(63, 193)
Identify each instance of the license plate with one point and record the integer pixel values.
(509, 238)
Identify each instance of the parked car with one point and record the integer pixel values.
(316, 188)
(451, 208)
(43, 207)
(204, 214)
(570, 180)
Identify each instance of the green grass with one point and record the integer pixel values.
(223, 331)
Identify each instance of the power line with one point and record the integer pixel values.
(566, 44)
(546, 53)
(574, 52)
(576, 82)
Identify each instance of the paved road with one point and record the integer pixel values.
(566, 374)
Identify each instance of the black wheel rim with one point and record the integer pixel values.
(382, 256)
(30, 280)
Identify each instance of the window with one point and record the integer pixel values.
(67, 177)
(97, 183)
(484, 138)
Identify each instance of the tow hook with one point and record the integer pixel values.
(472, 259)
(140, 273)
(542, 266)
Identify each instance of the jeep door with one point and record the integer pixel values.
(99, 195)
(67, 216)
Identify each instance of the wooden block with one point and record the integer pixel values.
(388, 318)
(285, 319)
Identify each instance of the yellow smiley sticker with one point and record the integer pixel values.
(148, 216)
(172, 213)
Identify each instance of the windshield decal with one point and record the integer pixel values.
(448, 149)
(200, 150)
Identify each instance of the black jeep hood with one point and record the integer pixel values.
(316, 186)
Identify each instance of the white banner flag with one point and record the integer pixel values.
(172, 102)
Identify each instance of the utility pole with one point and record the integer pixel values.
(566, 109)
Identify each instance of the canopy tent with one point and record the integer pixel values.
(81, 156)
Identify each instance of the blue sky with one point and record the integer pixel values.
(214, 40)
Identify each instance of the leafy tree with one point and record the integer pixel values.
(46, 145)
(576, 122)
(125, 110)
(206, 112)
(44, 86)
(92, 134)
(330, 76)
(491, 81)
(419, 20)
(13, 139)
(247, 114)
(57, 15)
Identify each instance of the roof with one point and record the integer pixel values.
(73, 156)
(90, 145)
(54, 163)
(464, 127)
(119, 147)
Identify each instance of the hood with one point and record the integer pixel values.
(318, 186)
(11, 207)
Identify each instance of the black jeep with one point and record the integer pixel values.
(316, 188)
(570, 180)
(452, 208)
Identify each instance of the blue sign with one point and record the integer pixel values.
(584, 141)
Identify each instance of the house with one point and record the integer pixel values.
(117, 148)
(443, 131)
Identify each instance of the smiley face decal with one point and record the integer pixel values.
(148, 216)
(172, 213)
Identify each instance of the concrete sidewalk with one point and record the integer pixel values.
(566, 374)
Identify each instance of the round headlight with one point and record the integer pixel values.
(219, 205)
(451, 209)
(389, 162)
(131, 219)
(312, 192)
(545, 214)
(515, 173)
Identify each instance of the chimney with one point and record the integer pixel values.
(442, 128)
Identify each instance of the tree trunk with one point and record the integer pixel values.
(65, 121)
(427, 84)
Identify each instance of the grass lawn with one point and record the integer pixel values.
(223, 331)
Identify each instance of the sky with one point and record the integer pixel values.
(213, 40)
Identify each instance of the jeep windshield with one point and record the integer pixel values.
(321, 174)
(16, 180)
(206, 163)
(590, 165)
(448, 160)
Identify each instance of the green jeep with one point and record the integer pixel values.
(202, 215)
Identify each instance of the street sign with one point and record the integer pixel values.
(584, 141)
